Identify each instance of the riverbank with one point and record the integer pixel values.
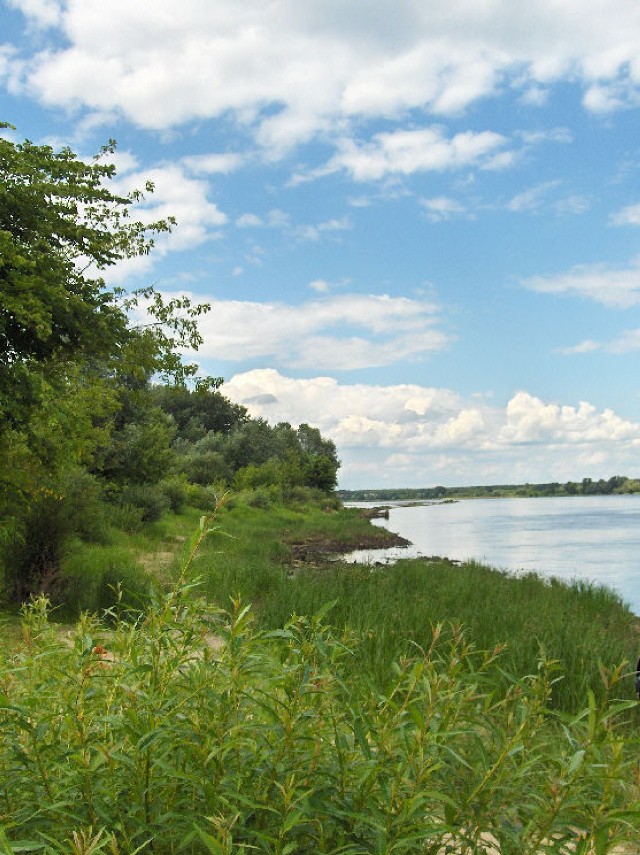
(593, 538)
(285, 560)
(279, 559)
(342, 707)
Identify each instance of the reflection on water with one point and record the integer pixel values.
(574, 537)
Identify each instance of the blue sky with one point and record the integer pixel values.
(417, 223)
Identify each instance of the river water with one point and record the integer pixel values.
(574, 537)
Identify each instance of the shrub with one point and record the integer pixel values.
(201, 497)
(175, 489)
(263, 497)
(149, 498)
(70, 507)
(126, 517)
(191, 732)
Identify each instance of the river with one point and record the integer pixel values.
(574, 537)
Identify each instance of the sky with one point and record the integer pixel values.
(417, 223)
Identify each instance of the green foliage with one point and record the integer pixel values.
(150, 499)
(58, 221)
(100, 577)
(199, 412)
(140, 452)
(252, 454)
(201, 497)
(190, 731)
(74, 370)
(175, 489)
(71, 506)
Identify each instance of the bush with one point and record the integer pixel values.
(263, 497)
(190, 732)
(70, 507)
(126, 517)
(201, 497)
(175, 489)
(149, 498)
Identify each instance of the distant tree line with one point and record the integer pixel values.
(617, 484)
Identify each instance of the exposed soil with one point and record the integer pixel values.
(321, 550)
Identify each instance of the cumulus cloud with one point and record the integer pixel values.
(43, 13)
(407, 151)
(611, 286)
(176, 194)
(293, 70)
(433, 435)
(339, 333)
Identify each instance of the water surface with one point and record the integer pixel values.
(574, 537)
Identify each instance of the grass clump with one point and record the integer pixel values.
(192, 731)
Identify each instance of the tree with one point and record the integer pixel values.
(66, 342)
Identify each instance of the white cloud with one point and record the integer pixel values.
(612, 96)
(295, 69)
(530, 421)
(323, 286)
(175, 194)
(535, 96)
(278, 219)
(345, 332)
(315, 232)
(554, 135)
(182, 197)
(533, 198)
(629, 216)
(209, 164)
(408, 151)
(586, 346)
(613, 287)
(572, 205)
(435, 436)
(627, 342)
(43, 13)
(320, 286)
(442, 208)
(246, 221)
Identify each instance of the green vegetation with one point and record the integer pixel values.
(277, 560)
(616, 485)
(443, 709)
(99, 431)
(191, 731)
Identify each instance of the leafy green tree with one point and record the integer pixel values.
(74, 368)
(198, 411)
(66, 340)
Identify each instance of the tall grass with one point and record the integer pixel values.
(192, 731)
(582, 626)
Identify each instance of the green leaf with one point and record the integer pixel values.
(212, 845)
